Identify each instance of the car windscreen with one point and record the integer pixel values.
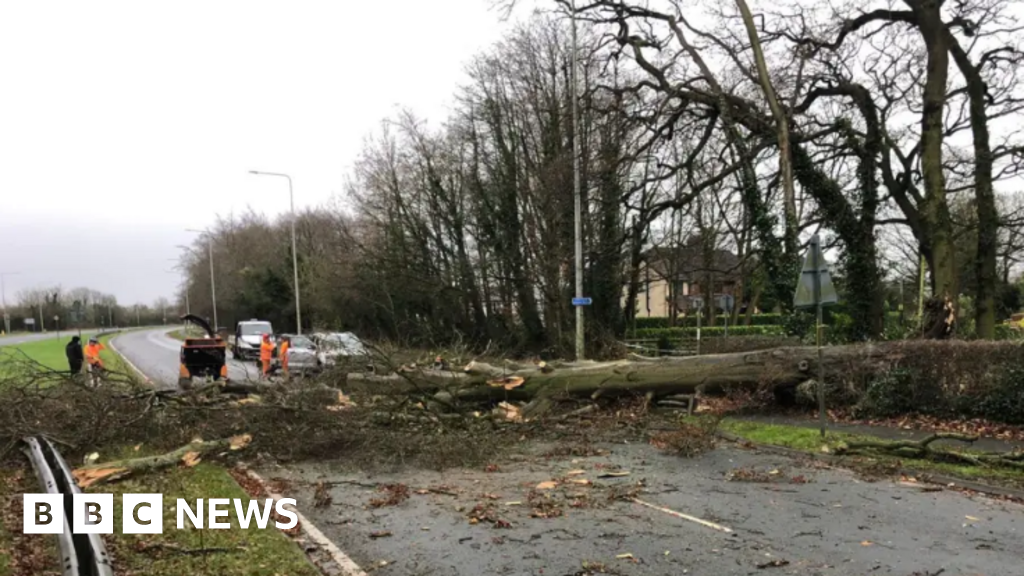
(301, 342)
(256, 328)
(345, 341)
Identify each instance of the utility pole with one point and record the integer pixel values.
(580, 346)
(213, 282)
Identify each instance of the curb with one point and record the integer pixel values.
(138, 372)
(346, 565)
(927, 477)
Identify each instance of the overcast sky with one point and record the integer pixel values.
(123, 123)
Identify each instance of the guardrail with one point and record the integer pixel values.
(80, 554)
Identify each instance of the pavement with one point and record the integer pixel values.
(810, 521)
(984, 444)
(156, 354)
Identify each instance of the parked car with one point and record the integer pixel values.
(248, 336)
(302, 354)
(335, 347)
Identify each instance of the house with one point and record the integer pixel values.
(672, 277)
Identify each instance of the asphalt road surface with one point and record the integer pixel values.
(155, 354)
(23, 338)
(803, 520)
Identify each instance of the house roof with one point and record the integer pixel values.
(686, 262)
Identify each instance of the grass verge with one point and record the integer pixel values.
(809, 440)
(232, 552)
(183, 333)
(50, 351)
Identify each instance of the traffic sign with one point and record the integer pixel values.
(804, 296)
(726, 302)
(582, 301)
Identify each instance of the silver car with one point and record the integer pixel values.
(340, 346)
(302, 354)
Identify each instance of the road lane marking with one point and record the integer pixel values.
(347, 565)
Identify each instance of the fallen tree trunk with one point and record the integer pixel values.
(541, 384)
(188, 455)
(923, 450)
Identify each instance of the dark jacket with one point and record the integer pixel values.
(74, 350)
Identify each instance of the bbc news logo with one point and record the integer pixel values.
(144, 513)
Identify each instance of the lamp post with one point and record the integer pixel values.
(213, 282)
(580, 347)
(295, 257)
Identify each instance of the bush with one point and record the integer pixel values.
(1004, 401)
(954, 378)
(1005, 332)
(890, 394)
(766, 319)
(714, 332)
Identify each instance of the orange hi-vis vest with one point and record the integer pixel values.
(92, 353)
(266, 351)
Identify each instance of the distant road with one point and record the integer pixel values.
(156, 355)
(23, 338)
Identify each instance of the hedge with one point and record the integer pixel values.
(709, 332)
(951, 379)
(766, 319)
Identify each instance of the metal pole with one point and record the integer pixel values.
(700, 312)
(815, 253)
(213, 284)
(580, 347)
(295, 262)
(295, 254)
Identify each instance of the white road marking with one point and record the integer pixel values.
(347, 565)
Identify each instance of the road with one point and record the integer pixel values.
(23, 338)
(808, 520)
(155, 354)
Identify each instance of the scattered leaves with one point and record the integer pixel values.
(322, 495)
(773, 564)
(395, 494)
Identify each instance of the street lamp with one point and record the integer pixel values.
(580, 348)
(3, 300)
(213, 283)
(295, 258)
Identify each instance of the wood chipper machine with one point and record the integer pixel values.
(203, 357)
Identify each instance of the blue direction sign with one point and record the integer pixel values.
(582, 301)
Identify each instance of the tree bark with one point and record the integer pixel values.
(780, 370)
(934, 207)
(781, 127)
(985, 200)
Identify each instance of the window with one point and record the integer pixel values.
(256, 328)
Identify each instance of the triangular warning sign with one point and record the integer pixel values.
(804, 296)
